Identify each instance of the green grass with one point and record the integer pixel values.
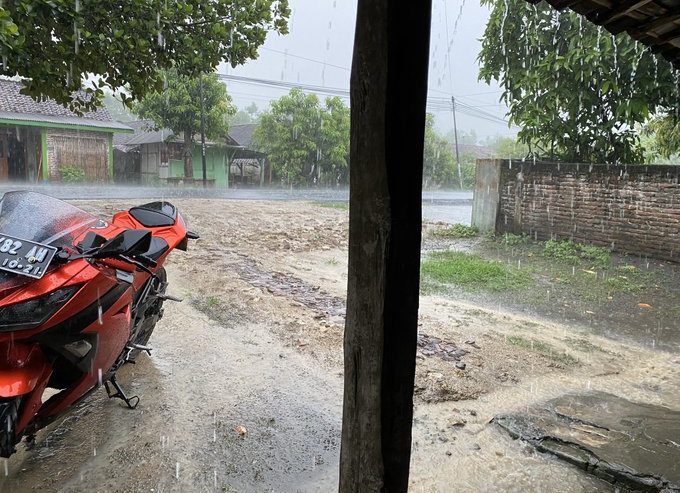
(543, 348)
(456, 231)
(572, 253)
(332, 205)
(472, 272)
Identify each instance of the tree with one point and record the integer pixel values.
(333, 153)
(178, 107)
(247, 115)
(305, 143)
(508, 148)
(119, 111)
(438, 161)
(576, 91)
(665, 130)
(56, 44)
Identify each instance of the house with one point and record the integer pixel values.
(43, 141)
(152, 156)
(249, 166)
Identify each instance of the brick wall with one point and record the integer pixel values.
(88, 150)
(632, 209)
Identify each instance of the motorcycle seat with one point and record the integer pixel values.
(155, 214)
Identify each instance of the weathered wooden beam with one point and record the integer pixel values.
(668, 36)
(668, 18)
(620, 10)
(388, 92)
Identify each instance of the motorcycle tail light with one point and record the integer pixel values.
(31, 313)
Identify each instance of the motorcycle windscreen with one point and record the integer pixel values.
(42, 219)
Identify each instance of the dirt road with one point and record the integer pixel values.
(243, 391)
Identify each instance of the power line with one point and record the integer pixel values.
(286, 53)
(433, 103)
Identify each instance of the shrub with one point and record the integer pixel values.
(71, 174)
(568, 251)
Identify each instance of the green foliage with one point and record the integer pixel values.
(573, 253)
(439, 166)
(508, 148)
(665, 130)
(457, 231)
(472, 271)
(513, 240)
(576, 91)
(306, 143)
(119, 111)
(178, 107)
(71, 173)
(56, 44)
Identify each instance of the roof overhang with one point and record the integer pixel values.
(65, 122)
(655, 23)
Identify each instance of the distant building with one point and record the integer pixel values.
(150, 156)
(40, 139)
(473, 150)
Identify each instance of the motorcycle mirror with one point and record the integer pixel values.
(130, 242)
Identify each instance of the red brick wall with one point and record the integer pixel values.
(632, 209)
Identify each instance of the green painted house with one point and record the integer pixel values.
(151, 156)
(43, 141)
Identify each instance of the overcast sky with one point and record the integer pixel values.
(318, 51)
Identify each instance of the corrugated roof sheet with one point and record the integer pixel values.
(62, 120)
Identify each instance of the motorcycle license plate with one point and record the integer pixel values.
(24, 257)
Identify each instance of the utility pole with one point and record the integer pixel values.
(205, 172)
(455, 137)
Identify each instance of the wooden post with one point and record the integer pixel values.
(388, 93)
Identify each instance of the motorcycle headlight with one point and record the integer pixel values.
(31, 313)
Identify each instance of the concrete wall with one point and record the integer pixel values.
(633, 209)
(485, 202)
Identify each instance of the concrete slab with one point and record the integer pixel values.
(629, 444)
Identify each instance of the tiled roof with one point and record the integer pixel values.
(243, 134)
(17, 106)
(11, 100)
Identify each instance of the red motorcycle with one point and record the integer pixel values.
(79, 297)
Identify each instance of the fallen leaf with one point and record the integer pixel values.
(644, 305)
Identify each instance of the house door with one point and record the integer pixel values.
(4, 168)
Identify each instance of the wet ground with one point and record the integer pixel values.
(243, 391)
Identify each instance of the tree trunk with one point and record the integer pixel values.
(188, 157)
(388, 95)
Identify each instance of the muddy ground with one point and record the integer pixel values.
(243, 391)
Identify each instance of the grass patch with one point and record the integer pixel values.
(573, 253)
(542, 348)
(583, 345)
(456, 231)
(473, 272)
(333, 205)
(512, 240)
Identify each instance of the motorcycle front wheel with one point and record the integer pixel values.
(152, 315)
(9, 415)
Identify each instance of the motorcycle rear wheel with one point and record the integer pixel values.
(152, 316)
(9, 415)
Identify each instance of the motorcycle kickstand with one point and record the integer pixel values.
(120, 393)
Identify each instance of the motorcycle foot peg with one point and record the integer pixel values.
(167, 297)
(119, 393)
